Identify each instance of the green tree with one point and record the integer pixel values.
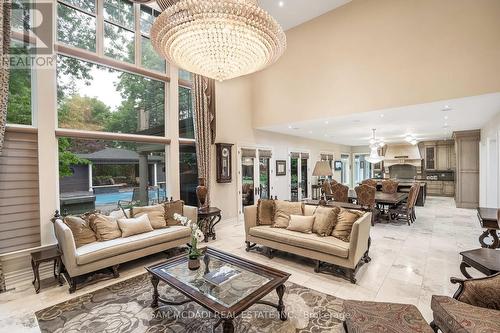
(67, 158)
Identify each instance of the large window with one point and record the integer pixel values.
(77, 24)
(149, 58)
(186, 117)
(98, 98)
(19, 106)
(96, 174)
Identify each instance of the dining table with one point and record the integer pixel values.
(382, 198)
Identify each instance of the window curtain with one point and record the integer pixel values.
(4, 70)
(204, 108)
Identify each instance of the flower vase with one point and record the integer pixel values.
(194, 255)
(202, 192)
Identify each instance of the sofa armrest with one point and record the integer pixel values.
(360, 235)
(483, 292)
(191, 213)
(250, 213)
(66, 244)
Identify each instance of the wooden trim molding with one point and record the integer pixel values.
(21, 129)
(105, 61)
(71, 133)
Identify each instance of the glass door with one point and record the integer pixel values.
(264, 177)
(362, 169)
(248, 177)
(294, 178)
(303, 178)
(299, 176)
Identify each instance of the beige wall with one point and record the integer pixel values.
(369, 55)
(489, 189)
(234, 125)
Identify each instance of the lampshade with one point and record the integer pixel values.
(322, 169)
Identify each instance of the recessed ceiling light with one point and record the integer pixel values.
(445, 117)
(446, 124)
(310, 132)
(327, 122)
(356, 121)
(446, 108)
(281, 3)
(382, 115)
(289, 126)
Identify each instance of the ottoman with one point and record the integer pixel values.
(367, 317)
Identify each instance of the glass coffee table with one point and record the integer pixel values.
(224, 284)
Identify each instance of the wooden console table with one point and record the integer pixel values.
(207, 220)
(489, 220)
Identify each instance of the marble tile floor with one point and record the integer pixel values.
(409, 264)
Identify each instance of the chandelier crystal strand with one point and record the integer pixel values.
(219, 39)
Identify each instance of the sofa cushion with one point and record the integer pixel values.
(134, 226)
(452, 315)
(171, 208)
(345, 220)
(105, 227)
(283, 211)
(156, 215)
(81, 230)
(265, 212)
(325, 220)
(328, 245)
(101, 250)
(301, 223)
(363, 317)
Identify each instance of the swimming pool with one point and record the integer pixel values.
(113, 198)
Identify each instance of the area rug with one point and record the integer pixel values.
(125, 307)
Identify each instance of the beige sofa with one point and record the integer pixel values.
(109, 254)
(346, 256)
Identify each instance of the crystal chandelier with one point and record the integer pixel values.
(219, 39)
(375, 144)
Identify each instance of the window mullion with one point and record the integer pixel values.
(100, 28)
(138, 45)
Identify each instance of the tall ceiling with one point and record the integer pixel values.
(429, 121)
(291, 13)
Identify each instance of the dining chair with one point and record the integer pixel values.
(406, 210)
(390, 186)
(340, 192)
(365, 195)
(327, 190)
(370, 182)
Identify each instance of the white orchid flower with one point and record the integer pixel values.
(199, 235)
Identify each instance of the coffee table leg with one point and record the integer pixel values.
(281, 306)
(228, 326)
(155, 281)
(463, 269)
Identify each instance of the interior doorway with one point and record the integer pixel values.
(254, 176)
(345, 172)
(299, 176)
(362, 169)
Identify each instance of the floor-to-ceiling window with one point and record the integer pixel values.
(362, 169)
(345, 160)
(111, 96)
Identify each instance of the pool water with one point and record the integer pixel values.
(113, 198)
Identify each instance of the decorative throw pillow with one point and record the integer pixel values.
(265, 212)
(283, 211)
(325, 220)
(301, 223)
(105, 227)
(82, 233)
(155, 213)
(345, 220)
(135, 226)
(172, 208)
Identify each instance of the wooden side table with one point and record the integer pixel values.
(487, 261)
(46, 256)
(489, 220)
(207, 220)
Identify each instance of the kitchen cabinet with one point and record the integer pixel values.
(449, 188)
(445, 188)
(442, 157)
(430, 157)
(439, 155)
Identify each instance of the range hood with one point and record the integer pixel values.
(402, 154)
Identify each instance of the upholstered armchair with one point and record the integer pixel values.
(340, 192)
(370, 182)
(390, 186)
(366, 197)
(475, 307)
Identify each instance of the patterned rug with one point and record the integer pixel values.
(125, 307)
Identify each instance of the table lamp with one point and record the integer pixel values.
(322, 169)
